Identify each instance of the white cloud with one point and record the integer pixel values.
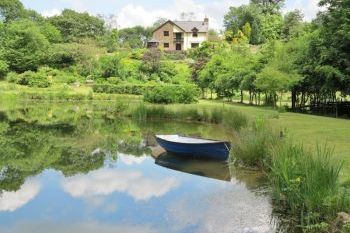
(308, 7)
(11, 201)
(237, 210)
(52, 12)
(130, 159)
(131, 15)
(105, 182)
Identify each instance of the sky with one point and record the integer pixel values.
(128, 13)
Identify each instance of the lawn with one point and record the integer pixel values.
(307, 129)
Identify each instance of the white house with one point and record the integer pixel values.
(180, 35)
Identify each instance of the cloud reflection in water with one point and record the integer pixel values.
(107, 181)
(11, 201)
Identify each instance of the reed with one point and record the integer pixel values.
(306, 184)
(254, 144)
(227, 117)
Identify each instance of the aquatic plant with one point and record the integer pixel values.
(306, 183)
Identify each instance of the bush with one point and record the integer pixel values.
(58, 76)
(29, 78)
(169, 94)
(131, 89)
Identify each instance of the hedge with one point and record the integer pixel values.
(166, 93)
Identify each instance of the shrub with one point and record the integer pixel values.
(168, 94)
(29, 78)
(131, 89)
(58, 76)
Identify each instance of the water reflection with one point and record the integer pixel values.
(70, 169)
(207, 168)
(12, 200)
(106, 181)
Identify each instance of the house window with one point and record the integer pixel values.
(195, 33)
(194, 45)
(166, 33)
(166, 45)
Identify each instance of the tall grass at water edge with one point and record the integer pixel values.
(226, 117)
(304, 184)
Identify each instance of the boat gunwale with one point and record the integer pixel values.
(212, 141)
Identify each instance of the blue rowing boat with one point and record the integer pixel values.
(196, 147)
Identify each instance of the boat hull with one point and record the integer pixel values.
(217, 150)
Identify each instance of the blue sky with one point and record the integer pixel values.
(141, 12)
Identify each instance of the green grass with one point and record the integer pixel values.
(309, 130)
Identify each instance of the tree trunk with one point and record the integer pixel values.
(294, 98)
(241, 96)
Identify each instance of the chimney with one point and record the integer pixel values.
(206, 21)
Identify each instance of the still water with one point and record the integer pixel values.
(79, 169)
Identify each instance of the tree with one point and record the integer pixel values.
(23, 46)
(78, 25)
(281, 72)
(11, 10)
(247, 30)
(237, 17)
(335, 46)
(159, 22)
(292, 24)
(269, 6)
(271, 26)
(151, 61)
(135, 37)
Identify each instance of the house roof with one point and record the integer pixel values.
(188, 26)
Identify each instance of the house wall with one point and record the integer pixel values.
(159, 35)
(188, 38)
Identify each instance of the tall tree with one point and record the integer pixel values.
(78, 25)
(292, 24)
(23, 46)
(11, 10)
(135, 37)
(237, 17)
(269, 6)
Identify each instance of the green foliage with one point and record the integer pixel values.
(306, 184)
(247, 30)
(292, 24)
(11, 10)
(225, 71)
(30, 78)
(237, 17)
(168, 94)
(254, 145)
(135, 37)
(271, 26)
(132, 89)
(23, 46)
(3, 69)
(52, 34)
(78, 25)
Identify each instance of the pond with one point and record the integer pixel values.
(75, 168)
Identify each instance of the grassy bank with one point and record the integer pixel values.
(306, 180)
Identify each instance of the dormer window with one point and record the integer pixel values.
(194, 32)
